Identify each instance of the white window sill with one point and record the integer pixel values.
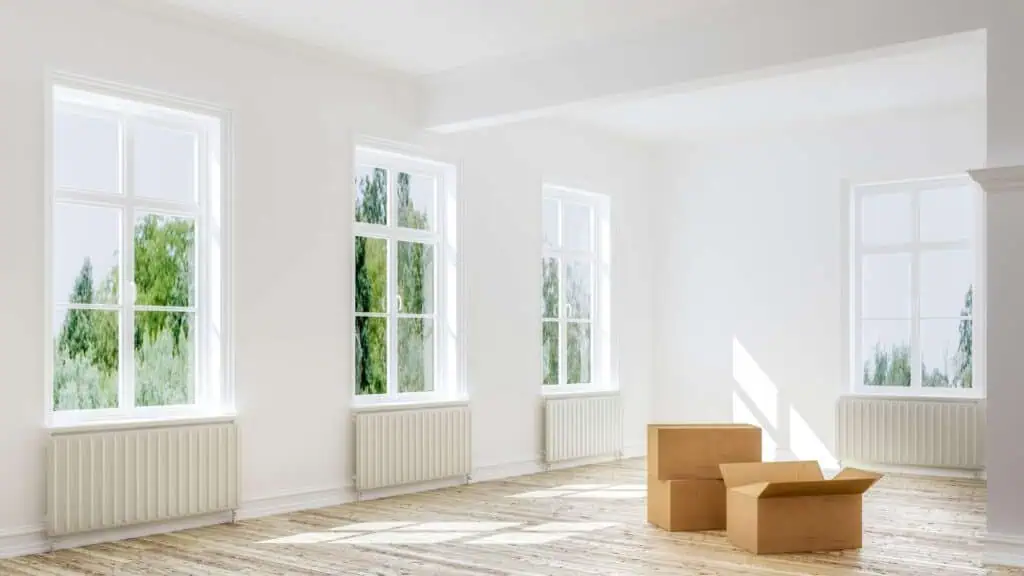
(576, 391)
(78, 425)
(916, 396)
(390, 405)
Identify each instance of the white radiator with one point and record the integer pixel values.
(101, 480)
(409, 446)
(911, 432)
(582, 427)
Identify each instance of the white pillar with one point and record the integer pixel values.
(1003, 182)
(1004, 361)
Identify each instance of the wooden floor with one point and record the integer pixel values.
(539, 525)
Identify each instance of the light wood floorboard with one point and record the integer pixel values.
(913, 527)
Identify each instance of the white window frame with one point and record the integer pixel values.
(213, 380)
(599, 256)
(449, 385)
(915, 249)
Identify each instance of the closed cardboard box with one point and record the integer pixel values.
(677, 451)
(781, 507)
(686, 505)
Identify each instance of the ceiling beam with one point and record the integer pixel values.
(725, 41)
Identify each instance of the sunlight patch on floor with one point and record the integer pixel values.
(597, 491)
(407, 533)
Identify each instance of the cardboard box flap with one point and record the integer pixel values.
(816, 488)
(850, 473)
(736, 475)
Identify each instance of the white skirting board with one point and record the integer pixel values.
(1004, 550)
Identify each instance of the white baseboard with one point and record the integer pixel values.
(404, 489)
(34, 540)
(576, 463)
(634, 451)
(1004, 550)
(294, 502)
(23, 541)
(503, 471)
(138, 531)
(919, 470)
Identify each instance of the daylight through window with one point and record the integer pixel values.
(574, 319)
(136, 252)
(916, 287)
(405, 333)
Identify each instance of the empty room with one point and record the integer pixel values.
(531, 287)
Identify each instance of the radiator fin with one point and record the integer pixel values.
(109, 479)
(582, 427)
(399, 447)
(911, 432)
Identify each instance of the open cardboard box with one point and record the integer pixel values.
(777, 507)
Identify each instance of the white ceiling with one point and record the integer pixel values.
(427, 36)
(938, 72)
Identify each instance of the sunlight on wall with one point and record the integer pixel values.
(755, 383)
(805, 444)
(757, 401)
(742, 414)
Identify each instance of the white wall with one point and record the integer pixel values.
(750, 267)
(295, 117)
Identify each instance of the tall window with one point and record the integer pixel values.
(574, 316)
(136, 251)
(915, 287)
(405, 333)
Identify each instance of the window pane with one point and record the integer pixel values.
(946, 284)
(885, 285)
(415, 355)
(549, 288)
(165, 260)
(416, 196)
(371, 195)
(578, 353)
(415, 278)
(885, 349)
(550, 208)
(946, 353)
(165, 163)
(371, 352)
(947, 214)
(371, 274)
(886, 219)
(85, 359)
(579, 289)
(549, 352)
(164, 358)
(86, 153)
(86, 254)
(578, 228)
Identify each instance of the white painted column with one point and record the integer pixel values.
(1004, 265)
(1003, 182)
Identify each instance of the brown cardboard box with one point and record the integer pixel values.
(684, 487)
(776, 507)
(677, 451)
(686, 505)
